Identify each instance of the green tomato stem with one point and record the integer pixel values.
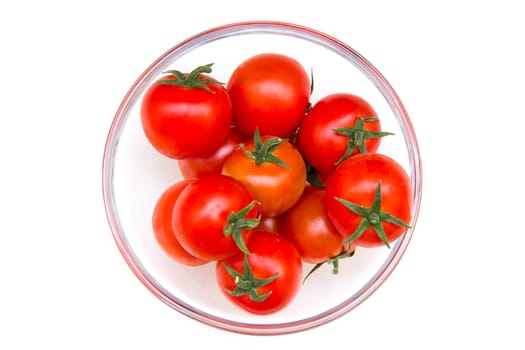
(247, 283)
(263, 152)
(237, 223)
(357, 135)
(372, 217)
(192, 80)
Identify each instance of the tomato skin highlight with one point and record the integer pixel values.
(271, 92)
(319, 144)
(163, 229)
(271, 254)
(274, 187)
(191, 168)
(201, 213)
(308, 227)
(356, 180)
(181, 122)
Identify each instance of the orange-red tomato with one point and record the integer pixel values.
(196, 167)
(275, 187)
(271, 92)
(309, 228)
(164, 231)
(274, 224)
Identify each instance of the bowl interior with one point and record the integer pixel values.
(135, 175)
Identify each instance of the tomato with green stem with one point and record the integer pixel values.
(264, 281)
(272, 169)
(337, 126)
(214, 216)
(186, 115)
(369, 200)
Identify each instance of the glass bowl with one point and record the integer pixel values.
(134, 176)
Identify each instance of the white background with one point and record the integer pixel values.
(65, 66)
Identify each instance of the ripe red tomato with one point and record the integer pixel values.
(308, 228)
(271, 92)
(337, 126)
(163, 230)
(186, 115)
(272, 169)
(265, 281)
(214, 216)
(274, 224)
(196, 167)
(369, 199)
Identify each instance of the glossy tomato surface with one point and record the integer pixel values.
(275, 187)
(356, 180)
(163, 229)
(202, 212)
(182, 122)
(310, 230)
(271, 256)
(318, 139)
(196, 167)
(271, 92)
(273, 224)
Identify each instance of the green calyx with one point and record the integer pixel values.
(263, 152)
(247, 283)
(334, 261)
(312, 176)
(237, 223)
(357, 136)
(372, 217)
(190, 80)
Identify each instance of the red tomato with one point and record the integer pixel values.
(337, 126)
(265, 281)
(197, 167)
(369, 198)
(271, 92)
(274, 224)
(208, 217)
(185, 116)
(308, 228)
(275, 186)
(163, 230)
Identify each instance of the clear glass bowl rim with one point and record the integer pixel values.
(246, 28)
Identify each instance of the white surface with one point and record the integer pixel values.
(64, 69)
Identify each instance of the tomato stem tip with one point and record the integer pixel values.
(247, 283)
(237, 223)
(372, 217)
(357, 135)
(346, 253)
(193, 80)
(263, 152)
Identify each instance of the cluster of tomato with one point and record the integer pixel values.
(270, 180)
